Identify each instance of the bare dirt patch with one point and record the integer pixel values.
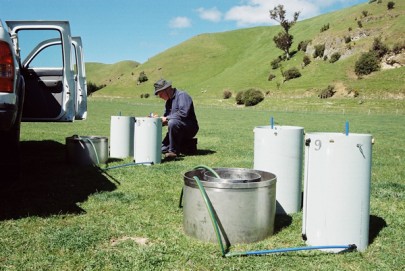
(142, 241)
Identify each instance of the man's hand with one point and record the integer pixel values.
(164, 121)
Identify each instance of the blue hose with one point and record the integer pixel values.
(292, 249)
(214, 221)
(129, 164)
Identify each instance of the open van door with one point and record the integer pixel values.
(44, 49)
(80, 78)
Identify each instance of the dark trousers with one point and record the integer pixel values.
(178, 131)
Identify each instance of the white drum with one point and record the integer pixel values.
(122, 136)
(148, 140)
(337, 189)
(279, 150)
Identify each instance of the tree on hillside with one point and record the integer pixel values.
(283, 40)
(142, 77)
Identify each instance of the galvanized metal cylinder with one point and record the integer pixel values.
(337, 189)
(86, 150)
(245, 208)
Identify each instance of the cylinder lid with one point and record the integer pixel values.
(234, 178)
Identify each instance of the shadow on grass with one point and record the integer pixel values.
(47, 184)
(281, 221)
(181, 157)
(376, 225)
(205, 152)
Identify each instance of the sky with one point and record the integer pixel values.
(117, 30)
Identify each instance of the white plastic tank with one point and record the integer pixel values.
(279, 150)
(337, 189)
(148, 140)
(122, 136)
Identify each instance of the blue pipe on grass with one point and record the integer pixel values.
(292, 249)
(129, 164)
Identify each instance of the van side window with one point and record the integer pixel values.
(49, 57)
(35, 53)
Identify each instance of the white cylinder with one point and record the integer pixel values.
(337, 189)
(148, 140)
(122, 136)
(279, 150)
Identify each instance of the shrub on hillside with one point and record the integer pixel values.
(239, 97)
(227, 94)
(390, 5)
(398, 47)
(249, 97)
(319, 50)
(366, 64)
(271, 77)
(275, 63)
(146, 95)
(93, 87)
(347, 39)
(327, 92)
(303, 45)
(252, 97)
(291, 73)
(142, 77)
(324, 28)
(306, 60)
(334, 57)
(379, 48)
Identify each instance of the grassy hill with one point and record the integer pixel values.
(208, 64)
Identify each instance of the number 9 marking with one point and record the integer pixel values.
(318, 144)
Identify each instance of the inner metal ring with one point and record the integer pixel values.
(235, 175)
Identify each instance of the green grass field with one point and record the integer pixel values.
(61, 217)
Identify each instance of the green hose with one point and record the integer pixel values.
(207, 168)
(94, 148)
(95, 151)
(209, 206)
(211, 213)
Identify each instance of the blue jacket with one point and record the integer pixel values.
(181, 107)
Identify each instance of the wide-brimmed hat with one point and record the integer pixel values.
(161, 85)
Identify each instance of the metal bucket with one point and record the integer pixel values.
(243, 200)
(86, 150)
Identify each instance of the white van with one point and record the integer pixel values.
(42, 78)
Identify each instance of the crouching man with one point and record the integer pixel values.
(180, 118)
